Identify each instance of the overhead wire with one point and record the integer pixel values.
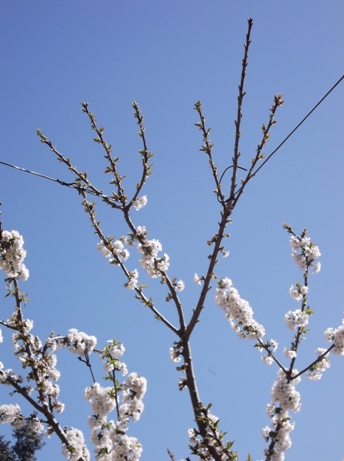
(299, 124)
(72, 185)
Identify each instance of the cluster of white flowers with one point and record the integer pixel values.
(7, 376)
(133, 391)
(109, 437)
(141, 231)
(79, 342)
(197, 279)
(113, 445)
(283, 391)
(103, 399)
(296, 319)
(272, 347)
(140, 202)
(114, 248)
(280, 420)
(304, 253)
(284, 397)
(175, 353)
(238, 311)
(298, 292)
(76, 446)
(213, 437)
(110, 357)
(179, 285)
(337, 336)
(133, 282)
(12, 255)
(28, 349)
(318, 369)
(16, 322)
(11, 414)
(150, 260)
(289, 353)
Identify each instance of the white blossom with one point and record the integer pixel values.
(134, 386)
(296, 319)
(298, 292)
(102, 399)
(175, 354)
(197, 279)
(133, 282)
(141, 231)
(238, 311)
(318, 369)
(267, 359)
(140, 202)
(179, 286)
(11, 414)
(337, 336)
(317, 267)
(103, 249)
(78, 449)
(80, 342)
(304, 253)
(290, 354)
(12, 255)
(150, 260)
(284, 392)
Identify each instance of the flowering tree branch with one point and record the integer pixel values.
(207, 440)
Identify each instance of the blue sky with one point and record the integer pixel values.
(166, 56)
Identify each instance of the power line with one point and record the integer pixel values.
(72, 185)
(298, 126)
(79, 188)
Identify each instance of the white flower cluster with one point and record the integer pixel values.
(29, 351)
(79, 342)
(284, 392)
(11, 414)
(289, 353)
(112, 249)
(238, 311)
(298, 292)
(141, 231)
(272, 346)
(133, 391)
(12, 255)
(213, 439)
(284, 397)
(318, 369)
(197, 279)
(7, 376)
(337, 336)
(110, 357)
(304, 253)
(150, 260)
(103, 399)
(281, 419)
(133, 282)
(296, 319)
(179, 285)
(77, 448)
(109, 437)
(175, 353)
(140, 202)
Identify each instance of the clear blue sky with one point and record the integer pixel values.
(166, 56)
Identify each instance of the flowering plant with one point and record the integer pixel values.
(124, 396)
